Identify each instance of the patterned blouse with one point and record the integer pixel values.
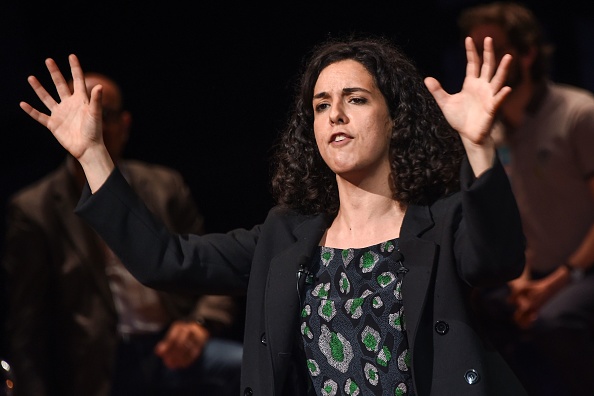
(352, 322)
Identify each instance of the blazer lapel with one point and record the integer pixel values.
(282, 307)
(418, 257)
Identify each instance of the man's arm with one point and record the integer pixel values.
(529, 296)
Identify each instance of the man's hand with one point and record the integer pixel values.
(182, 344)
(530, 296)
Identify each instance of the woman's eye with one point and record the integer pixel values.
(321, 107)
(358, 100)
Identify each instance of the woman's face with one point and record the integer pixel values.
(352, 123)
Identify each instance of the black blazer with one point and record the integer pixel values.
(470, 238)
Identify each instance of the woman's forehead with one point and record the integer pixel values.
(344, 74)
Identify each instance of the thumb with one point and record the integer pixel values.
(161, 347)
(96, 100)
(436, 90)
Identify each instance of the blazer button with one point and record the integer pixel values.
(248, 392)
(441, 327)
(263, 339)
(472, 376)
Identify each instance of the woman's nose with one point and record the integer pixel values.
(337, 116)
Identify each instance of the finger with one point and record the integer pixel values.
(175, 337)
(500, 97)
(58, 79)
(500, 76)
(436, 90)
(96, 101)
(38, 116)
(488, 59)
(163, 347)
(41, 92)
(472, 58)
(176, 354)
(78, 77)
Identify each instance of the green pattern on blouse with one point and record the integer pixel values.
(352, 323)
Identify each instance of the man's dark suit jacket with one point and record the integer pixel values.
(470, 238)
(61, 322)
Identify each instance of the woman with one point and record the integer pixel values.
(357, 282)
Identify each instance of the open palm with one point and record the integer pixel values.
(472, 110)
(75, 121)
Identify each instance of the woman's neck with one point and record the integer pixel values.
(365, 217)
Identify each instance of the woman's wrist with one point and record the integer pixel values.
(97, 165)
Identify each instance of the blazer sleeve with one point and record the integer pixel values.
(490, 229)
(167, 195)
(210, 264)
(177, 207)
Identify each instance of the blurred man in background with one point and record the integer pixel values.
(543, 322)
(78, 323)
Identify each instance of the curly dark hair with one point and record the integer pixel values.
(425, 151)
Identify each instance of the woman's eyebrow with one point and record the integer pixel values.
(344, 90)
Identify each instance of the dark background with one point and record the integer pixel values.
(210, 85)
